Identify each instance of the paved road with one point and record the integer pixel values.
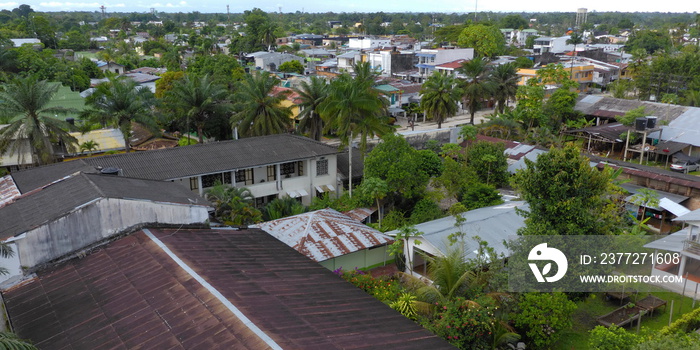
(428, 125)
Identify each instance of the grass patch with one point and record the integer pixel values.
(584, 319)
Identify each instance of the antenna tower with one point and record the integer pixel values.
(103, 8)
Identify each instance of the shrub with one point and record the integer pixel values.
(385, 289)
(466, 324)
(425, 210)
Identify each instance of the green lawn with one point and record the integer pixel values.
(69, 99)
(595, 306)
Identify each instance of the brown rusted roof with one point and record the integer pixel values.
(324, 234)
(8, 190)
(360, 214)
(132, 294)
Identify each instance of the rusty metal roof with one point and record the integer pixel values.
(8, 190)
(360, 214)
(324, 234)
(133, 293)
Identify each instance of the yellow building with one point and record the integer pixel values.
(581, 73)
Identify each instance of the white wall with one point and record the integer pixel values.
(96, 221)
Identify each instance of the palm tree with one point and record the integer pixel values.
(10, 340)
(439, 96)
(119, 102)
(259, 110)
(477, 87)
(574, 39)
(283, 207)
(312, 95)
(505, 80)
(233, 205)
(353, 108)
(198, 99)
(32, 124)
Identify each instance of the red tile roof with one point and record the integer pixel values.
(452, 65)
(132, 294)
(287, 93)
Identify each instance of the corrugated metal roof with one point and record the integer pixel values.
(671, 243)
(130, 294)
(106, 139)
(33, 178)
(360, 214)
(492, 224)
(673, 207)
(692, 216)
(634, 189)
(324, 234)
(47, 204)
(8, 190)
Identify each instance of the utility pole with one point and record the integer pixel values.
(228, 15)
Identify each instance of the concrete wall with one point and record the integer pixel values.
(97, 221)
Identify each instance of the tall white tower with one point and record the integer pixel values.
(581, 17)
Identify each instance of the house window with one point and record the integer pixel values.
(300, 168)
(227, 177)
(244, 176)
(322, 167)
(287, 168)
(271, 173)
(211, 180)
(194, 184)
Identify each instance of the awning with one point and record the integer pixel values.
(675, 208)
(425, 54)
(297, 193)
(325, 188)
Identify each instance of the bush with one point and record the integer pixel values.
(466, 324)
(613, 338)
(425, 210)
(385, 289)
(543, 316)
(479, 195)
(687, 323)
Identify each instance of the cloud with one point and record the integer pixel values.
(8, 5)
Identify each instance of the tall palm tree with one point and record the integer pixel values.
(439, 97)
(505, 80)
(32, 124)
(312, 95)
(476, 87)
(353, 108)
(118, 102)
(259, 111)
(575, 38)
(198, 99)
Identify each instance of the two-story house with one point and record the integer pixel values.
(270, 167)
(428, 59)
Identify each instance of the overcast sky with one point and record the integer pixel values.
(450, 6)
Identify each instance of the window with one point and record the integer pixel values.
(244, 177)
(194, 183)
(287, 168)
(322, 167)
(271, 173)
(227, 177)
(211, 180)
(300, 168)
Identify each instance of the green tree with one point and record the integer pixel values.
(514, 22)
(374, 189)
(32, 124)
(486, 40)
(282, 207)
(397, 248)
(292, 66)
(477, 87)
(566, 195)
(118, 103)
(649, 40)
(396, 162)
(505, 82)
(489, 161)
(574, 39)
(167, 82)
(233, 205)
(425, 210)
(197, 100)
(354, 108)
(312, 94)
(259, 111)
(440, 95)
(631, 115)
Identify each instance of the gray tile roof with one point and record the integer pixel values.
(58, 199)
(181, 162)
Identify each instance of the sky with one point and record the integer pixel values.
(449, 6)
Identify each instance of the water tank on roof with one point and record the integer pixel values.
(640, 124)
(651, 122)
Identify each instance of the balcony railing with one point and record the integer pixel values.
(691, 247)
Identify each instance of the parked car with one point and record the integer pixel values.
(685, 166)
